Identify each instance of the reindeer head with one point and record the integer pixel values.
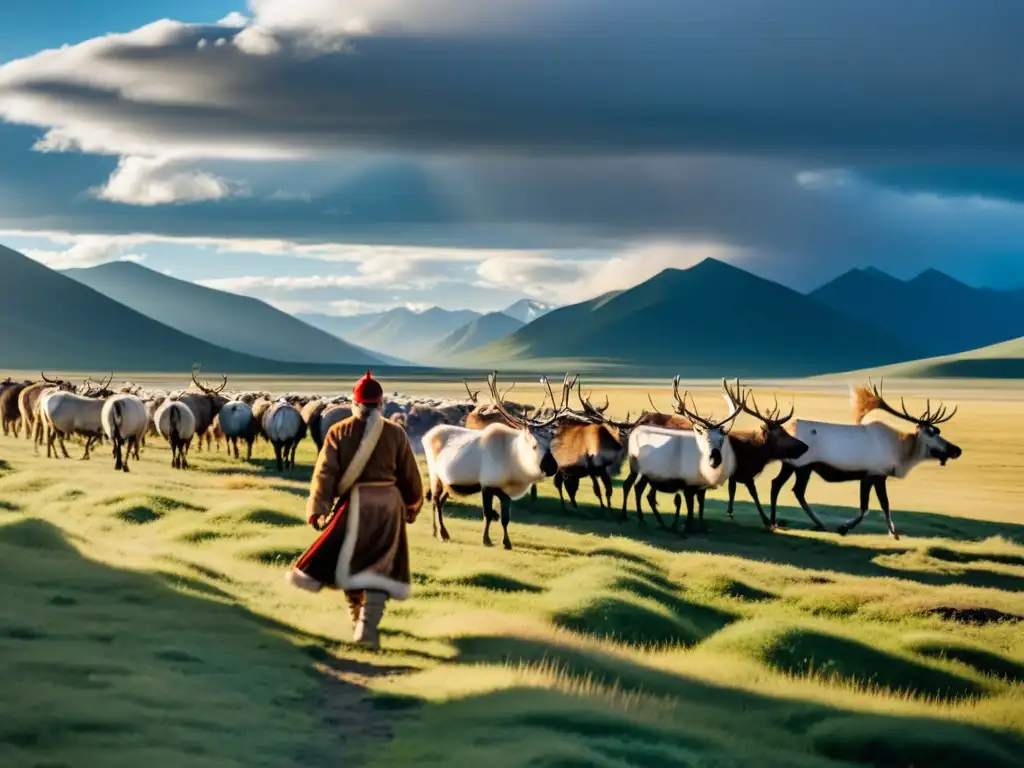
(711, 435)
(780, 444)
(98, 391)
(929, 438)
(215, 395)
(596, 415)
(537, 434)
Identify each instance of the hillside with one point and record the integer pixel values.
(709, 320)
(411, 335)
(48, 320)
(932, 312)
(996, 361)
(480, 332)
(528, 310)
(341, 326)
(239, 323)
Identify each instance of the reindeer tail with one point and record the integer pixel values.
(175, 435)
(863, 402)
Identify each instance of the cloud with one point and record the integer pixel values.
(87, 252)
(234, 19)
(147, 182)
(509, 76)
(570, 281)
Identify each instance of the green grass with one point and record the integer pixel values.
(144, 619)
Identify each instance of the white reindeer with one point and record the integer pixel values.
(125, 421)
(176, 424)
(64, 413)
(870, 453)
(236, 423)
(285, 428)
(687, 460)
(503, 461)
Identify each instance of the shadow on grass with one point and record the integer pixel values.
(96, 652)
(745, 537)
(678, 721)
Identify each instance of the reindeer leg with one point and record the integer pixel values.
(533, 493)
(688, 494)
(652, 499)
(277, 455)
(752, 489)
(785, 472)
(678, 499)
(118, 464)
(248, 449)
(883, 501)
(627, 485)
(732, 495)
(597, 490)
(572, 485)
(865, 501)
(186, 444)
(638, 491)
(559, 484)
(803, 476)
(607, 480)
(488, 503)
(440, 497)
(506, 515)
(701, 494)
(60, 439)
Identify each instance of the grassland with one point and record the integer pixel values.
(144, 620)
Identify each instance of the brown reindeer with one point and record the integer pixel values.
(589, 444)
(9, 410)
(205, 405)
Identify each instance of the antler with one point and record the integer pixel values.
(696, 418)
(770, 419)
(221, 388)
(926, 419)
(523, 421)
(472, 395)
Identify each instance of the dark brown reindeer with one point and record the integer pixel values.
(205, 405)
(9, 410)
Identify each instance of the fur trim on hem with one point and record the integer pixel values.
(367, 579)
(297, 578)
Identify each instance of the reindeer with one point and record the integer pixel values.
(66, 413)
(284, 427)
(176, 424)
(205, 405)
(754, 449)
(312, 413)
(673, 460)
(236, 421)
(589, 444)
(870, 453)
(499, 461)
(28, 405)
(10, 413)
(124, 421)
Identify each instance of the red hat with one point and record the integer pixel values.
(368, 390)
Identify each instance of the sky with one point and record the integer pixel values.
(343, 156)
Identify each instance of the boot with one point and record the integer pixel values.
(355, 605)
(365, 633)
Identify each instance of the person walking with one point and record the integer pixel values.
(366, 488)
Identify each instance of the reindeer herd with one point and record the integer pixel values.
(502, 450)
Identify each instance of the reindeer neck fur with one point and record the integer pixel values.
(912, 452)
(751, 449)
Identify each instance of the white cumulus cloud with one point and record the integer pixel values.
(148, 181)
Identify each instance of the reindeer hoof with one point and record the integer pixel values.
(507, 544)
(895, 536)
(487, 542)
(842, 530)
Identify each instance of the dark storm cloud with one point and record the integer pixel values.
(840, 82)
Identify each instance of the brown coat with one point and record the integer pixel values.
(364, 546)
(392, 461)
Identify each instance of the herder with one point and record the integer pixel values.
(368, 466)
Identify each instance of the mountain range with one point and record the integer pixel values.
(712, 319)
(933, 312)
(235, 322)
(50, 321)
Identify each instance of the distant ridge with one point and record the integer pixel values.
(932, 312)
(481, 331)
(49, 321)
(239, 323)
(712, 319)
